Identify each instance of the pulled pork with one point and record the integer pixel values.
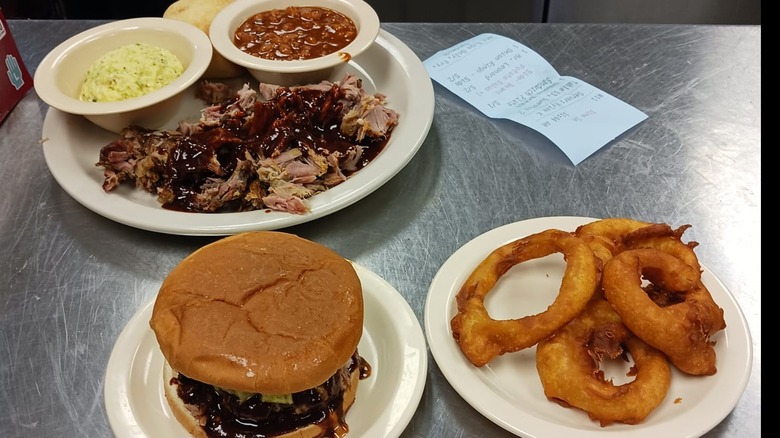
(270, 148)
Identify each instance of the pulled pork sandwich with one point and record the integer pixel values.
(260, 332)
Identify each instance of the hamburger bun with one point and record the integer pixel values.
(200, 13)
(259, 312)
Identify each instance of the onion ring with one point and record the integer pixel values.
(603, 235)
(568, 366)
(482, 338)
(664, 238)
(682, 329)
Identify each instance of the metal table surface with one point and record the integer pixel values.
(70, 279)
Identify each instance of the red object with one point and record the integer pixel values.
(15, 80)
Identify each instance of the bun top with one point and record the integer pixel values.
(200, 13)
(265, 311)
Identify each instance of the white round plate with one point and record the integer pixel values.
(71, 146)
(508, 390)
(393, 343)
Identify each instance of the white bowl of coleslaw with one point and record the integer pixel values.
(126, 72)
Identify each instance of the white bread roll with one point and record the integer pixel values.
(199, 13)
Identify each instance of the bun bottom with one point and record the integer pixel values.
(192, 423)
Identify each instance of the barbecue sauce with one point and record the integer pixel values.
(307, 119)
(226, 416)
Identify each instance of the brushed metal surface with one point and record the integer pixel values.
(70, 279)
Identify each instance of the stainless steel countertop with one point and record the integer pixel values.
(70, 279)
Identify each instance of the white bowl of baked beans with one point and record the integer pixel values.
(293, 42)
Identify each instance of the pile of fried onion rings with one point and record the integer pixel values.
(629, 287)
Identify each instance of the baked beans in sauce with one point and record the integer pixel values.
(295, 33)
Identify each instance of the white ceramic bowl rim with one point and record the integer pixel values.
(45, 75)
(229, 18)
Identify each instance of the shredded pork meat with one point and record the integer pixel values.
(267, 148)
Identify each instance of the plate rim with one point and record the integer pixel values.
(442, 346)
(408, 390)
(406, 141)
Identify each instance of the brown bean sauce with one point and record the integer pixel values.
(226, 416)
(295, 33)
